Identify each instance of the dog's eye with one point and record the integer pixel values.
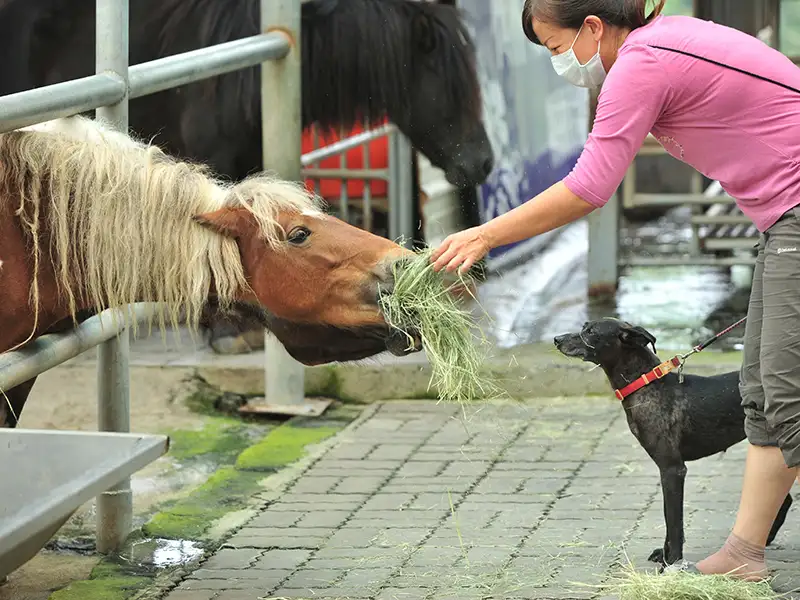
(298, 235)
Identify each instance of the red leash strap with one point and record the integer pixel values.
(649, 377)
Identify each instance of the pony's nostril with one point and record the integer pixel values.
(386, 288)
(488, 165)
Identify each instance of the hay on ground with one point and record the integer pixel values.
(422, 299)
(681, 585)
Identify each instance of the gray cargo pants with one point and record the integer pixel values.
(770, 374)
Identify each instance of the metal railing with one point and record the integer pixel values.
(108, 91)
(397, 174)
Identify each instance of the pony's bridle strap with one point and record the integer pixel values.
(649, 377)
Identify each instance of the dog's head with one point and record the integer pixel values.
(604, 341)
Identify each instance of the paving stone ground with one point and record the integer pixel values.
(419, 502)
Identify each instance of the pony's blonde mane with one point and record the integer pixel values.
(119, 214)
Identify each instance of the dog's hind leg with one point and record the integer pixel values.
(673, 478)
(779, 519)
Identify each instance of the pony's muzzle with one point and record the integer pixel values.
(402, 343)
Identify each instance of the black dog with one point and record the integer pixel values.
(674, 422)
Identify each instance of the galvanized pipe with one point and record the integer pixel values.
(400, 192)
(107, 87)
(281, 130)
(344, 200)
(344, 145)
(373, 174)
(114, 519)
(315, 144)
(405, 188)
(180, 69)
(694, 261)
(59, 100)
(393, 188)
(366, 197)
(49, 351)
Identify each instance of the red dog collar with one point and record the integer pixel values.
(649, 377)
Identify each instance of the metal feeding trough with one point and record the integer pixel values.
(45, 476)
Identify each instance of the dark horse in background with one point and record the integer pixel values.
(409, 61)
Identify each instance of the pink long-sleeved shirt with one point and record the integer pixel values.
(731, 127)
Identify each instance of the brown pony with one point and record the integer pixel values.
(92, 219)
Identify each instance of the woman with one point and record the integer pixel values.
(728, 105)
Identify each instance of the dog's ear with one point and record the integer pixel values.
(633, 334)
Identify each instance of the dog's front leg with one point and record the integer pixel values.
(776, 525)
(672, 483)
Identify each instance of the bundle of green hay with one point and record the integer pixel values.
(424, 301)
(680, 585)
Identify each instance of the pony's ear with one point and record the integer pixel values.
(424, 34)
(225, 221)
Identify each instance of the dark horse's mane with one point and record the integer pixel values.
(349, 33)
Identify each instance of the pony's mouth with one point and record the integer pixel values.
(402, 343)
(353, 346)
(313, 344)
(348, 345)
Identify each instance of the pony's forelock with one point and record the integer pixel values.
(119, 215)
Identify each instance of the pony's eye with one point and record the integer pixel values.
(298, 235)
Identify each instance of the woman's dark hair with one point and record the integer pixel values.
(570, 14)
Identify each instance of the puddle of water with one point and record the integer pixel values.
(161, 553)
(681, 306)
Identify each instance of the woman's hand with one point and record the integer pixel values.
(462, 249)
(554, 207)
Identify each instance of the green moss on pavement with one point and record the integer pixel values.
(283, 446)
(108, 581)
(225, 491)
(222, 437)
(231, 488)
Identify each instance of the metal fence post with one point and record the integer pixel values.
(400, 189)
(281, 125)
(115, 506)
(603, 255)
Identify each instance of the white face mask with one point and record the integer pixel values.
(567, 65)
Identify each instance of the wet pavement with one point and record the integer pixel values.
(418, 501)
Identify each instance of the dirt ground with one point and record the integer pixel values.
(66, 398)
(47, 572)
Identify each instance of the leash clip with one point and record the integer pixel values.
(682, 361)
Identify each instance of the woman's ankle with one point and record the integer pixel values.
(737, 558)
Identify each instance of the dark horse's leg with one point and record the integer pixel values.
(13, 401)
(233, 333)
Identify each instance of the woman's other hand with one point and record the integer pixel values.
(461, 250)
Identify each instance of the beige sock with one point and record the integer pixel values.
(737, 558)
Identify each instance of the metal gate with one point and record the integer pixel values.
(277, 48)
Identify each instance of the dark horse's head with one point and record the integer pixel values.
(410, 61)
